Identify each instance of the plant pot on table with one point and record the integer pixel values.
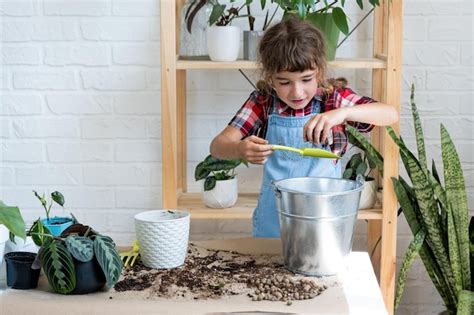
(57, 225)
(223, 195)
(368, 197)
(20, 274)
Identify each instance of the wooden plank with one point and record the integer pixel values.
(168, 103)
(374, 241)
(362, 63)
(181, 129)
(390, 151)
(243, 209)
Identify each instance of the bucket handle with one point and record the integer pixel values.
(360, 181)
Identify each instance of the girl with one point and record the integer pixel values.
(292, 107)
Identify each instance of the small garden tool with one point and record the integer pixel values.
(129, 258)
(314, 152)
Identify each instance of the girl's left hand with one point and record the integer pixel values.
(318, 129)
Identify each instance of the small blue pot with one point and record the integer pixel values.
(57, 225)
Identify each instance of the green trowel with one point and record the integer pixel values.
(314, 152)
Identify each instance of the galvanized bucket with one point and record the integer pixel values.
(317, 220)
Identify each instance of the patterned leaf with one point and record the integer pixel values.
(420, 142)
(466, 303)
(58, 266)
(357, 139)
(80, 247)
(38, 231)
(209, 183)
(408, 260)
(108, 258)
(453, 248)
(457, 199)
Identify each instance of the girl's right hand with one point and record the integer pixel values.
(254, 150)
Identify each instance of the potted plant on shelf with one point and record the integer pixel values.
(223, 39)
(11, 222)
(56, 225)
(438, 218)
(328, 16)
(252, 37)
(219, 183)
(79, 261)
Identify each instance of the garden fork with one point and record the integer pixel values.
(129, 258)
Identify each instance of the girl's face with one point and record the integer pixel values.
(296, 89)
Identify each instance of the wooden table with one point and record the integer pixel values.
(357, 293)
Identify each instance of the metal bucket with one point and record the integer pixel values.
(317, 221)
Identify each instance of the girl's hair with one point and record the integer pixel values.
(291, 45)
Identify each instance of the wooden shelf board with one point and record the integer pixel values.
(360, 63)
(243, 209)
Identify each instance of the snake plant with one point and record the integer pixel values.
(437, 214)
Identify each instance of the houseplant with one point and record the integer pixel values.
(219, 182)
(328, 16)
(252, 36)
(78, 261)
(438, 218)
(11, 222)
(193, 29)
(55, 224)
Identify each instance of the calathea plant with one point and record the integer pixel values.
(437, 214)
(213, 169)
(59, 255)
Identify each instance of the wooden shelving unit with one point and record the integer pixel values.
(386, 87)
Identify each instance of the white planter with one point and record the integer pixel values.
(224, 195)
(223, 43)
(20, 245)
(163, 237)
(368, 197)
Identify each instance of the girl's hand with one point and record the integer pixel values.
(255, 150)
(318, 129)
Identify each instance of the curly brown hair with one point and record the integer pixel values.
(291, 45)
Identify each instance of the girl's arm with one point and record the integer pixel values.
(318, 127)
(228, 145)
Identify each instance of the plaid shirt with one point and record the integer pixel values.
(252, 117)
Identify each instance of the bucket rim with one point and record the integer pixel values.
(335, 193)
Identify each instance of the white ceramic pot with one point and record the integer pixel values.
(163, 237)
(224, 195)
(368, 197)
(223, 43)
(20, 245)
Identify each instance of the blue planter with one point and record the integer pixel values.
(57, 225)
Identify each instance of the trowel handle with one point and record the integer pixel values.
(284, 147)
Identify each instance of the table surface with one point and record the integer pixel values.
(357, 292)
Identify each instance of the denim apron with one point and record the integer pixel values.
(287, 130)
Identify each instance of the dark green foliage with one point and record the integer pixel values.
(213, 169)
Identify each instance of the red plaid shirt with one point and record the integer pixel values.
(252, 117)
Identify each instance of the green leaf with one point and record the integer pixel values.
(408, 260)
(58, 266)
(12, 219)
(201, 171)
(435, 171)
(58, 198)
(355, 160)
(348, 173)
(465, 302)
(340, 19)
(360, 4)
(38, 231)
(108, 258)
(80, 247)
(361, 169)
(209, 183)
(357, 139)
(217, 11)
(214, 164)
(454, 255)
(457, 199)
(420, 142)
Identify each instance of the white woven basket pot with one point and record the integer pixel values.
(368, 197)
(163, 237)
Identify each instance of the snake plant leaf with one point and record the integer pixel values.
(12, 219)
(410, 255)
(209, 183)
(420, 142)
(201, 171)
(80, 247)
(428, 209)
(465, 302)
(435, 171)
(58, 198)
(406, 198)
(457, 199)
(356, 138)
(58, 266)
(108, 258)
(454, 255)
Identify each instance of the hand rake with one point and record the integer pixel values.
(130, 257)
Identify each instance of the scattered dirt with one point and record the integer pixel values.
(209, 274)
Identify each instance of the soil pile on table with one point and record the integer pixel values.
(213, 274)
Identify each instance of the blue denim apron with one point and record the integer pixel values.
(287, 130)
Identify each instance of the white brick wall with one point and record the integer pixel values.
(80, 109)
